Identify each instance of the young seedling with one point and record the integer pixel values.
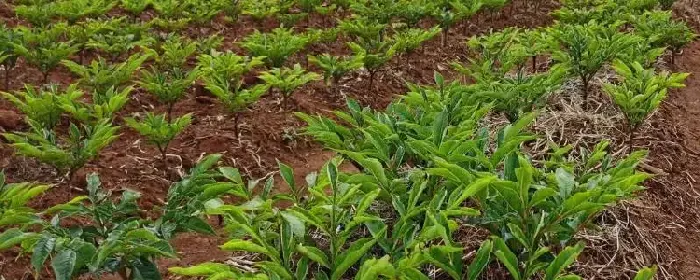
(335, 67)
(521, 94)
(236, 101)
(135, 7)
(14, 197)
(41, 105)
(43, 48)
(275, 46)
(168, 86)
(75, 10)
(174, 53)
(121, 40)
(411, 39)
(103, 105)
(160, 131)
(663, 32)
(39, 15)
(640, 92)
(586, 48)
(116, 237)
(259, 10)
(449, 12)
(223, 77)
(8, 38)
(82, 144)
(100, 75)
(375, 60)
(363, 31)
(286, 80)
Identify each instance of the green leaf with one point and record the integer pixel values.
(565, 181)
(144, 269)
(506, 257)
(314, 254)
(243, 245)
(374, 268)
(63, 264)
(200, 269)
(482, 259)
(276, 269)
(287, 174)
(353, 254)
(563, 260)
(42, 250)
(646, 273)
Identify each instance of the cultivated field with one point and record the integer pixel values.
(349, 139)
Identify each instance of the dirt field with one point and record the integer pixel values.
(661, 227)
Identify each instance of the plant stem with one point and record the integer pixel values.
(585, 81)
(445, 32)
(236, 119)
(630, 142)
(534, 63)
(7, 78)
(123, 273)
(164, 155)
(170, 111)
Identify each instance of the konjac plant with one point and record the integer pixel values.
(223, 73)
(640, 92)
(116, 239)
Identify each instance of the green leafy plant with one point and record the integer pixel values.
(39, 105)
(222, 74)
(75, 10)
(380, 11)
(288, 79)
(103, 105)
(43, 49)
(521, 94)
(666, 4)
(586, 48)
(363, 31)
(8, 38)
(275, 46)
(13, 203)
(373, 60)
(449, 12)
(159, 130)
(81, 145)
(100, 75)
(334, 67)
(496, 56)
(121, 39)
(411, 39)
(662, 31)
(167, 86)
(135, 6)
(38, 15)
(210, 44)
(175, 52)
(115, 238)
(260, 10)
(235, 101)
(413, 11)
(640, 92)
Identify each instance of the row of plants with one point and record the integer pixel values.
(428, 165)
